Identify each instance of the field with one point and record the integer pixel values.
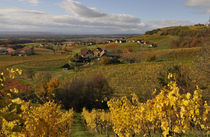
(140, 70)
(122, 78)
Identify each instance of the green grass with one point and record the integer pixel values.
(35, 63)
(32, 44)
(34, 60)
(140, 77)
(78, 129)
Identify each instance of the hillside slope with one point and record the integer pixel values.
(177, 36)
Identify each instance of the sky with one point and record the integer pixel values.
(100, 16)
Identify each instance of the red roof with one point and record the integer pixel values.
(10, 50)
(84, 51)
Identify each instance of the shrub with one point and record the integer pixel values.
(169, 113)
(186, 42)
(80, 92)
(40, 85)
(118, 51)
(47, 120)
(97, 120)
(127, 50)
(151, 58)
(53, 84)
(113, 45)
(152, 31)
(105, 61)
(28, 74)
(22, 119)
(183, 77)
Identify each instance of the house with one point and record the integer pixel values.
(109, 41)
(91, 43)
(66, 67)
(144, 42)
(152, 45)
(123, 41)
(97, 52)
(103, 53)
(11, 46)
(41, 45)
(107, 54)
(3, 51)
(85, 53)
(139, 41)
(120, 41)
(117, 41)
(99, 49)
(11, 51)
(26, 51)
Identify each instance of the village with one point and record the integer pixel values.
(80, 53)
(16, 50)
(28, 49)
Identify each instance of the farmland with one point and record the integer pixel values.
(132, 68)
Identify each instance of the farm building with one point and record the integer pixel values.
(66, 67)
(120, 41)
(109, 41)
(97, 52)
(85, 53)
(107, 54)
(11, 51)
(26, 51)
(3, 51)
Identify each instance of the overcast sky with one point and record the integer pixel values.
(100, 16)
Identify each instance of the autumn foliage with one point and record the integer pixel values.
(23, 119)
(97, 120)
(169, 113)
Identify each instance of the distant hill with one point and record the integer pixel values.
(177, 36)
(22, 35)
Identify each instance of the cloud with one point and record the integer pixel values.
(207, 11)
(33, 2)
(94, 15)
(204, 5)
(197, 3)
(78, 19)
(81, 10)
(18, 19)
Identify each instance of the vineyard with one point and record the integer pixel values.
(168, 113)
(20, 118)
(147, 91)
